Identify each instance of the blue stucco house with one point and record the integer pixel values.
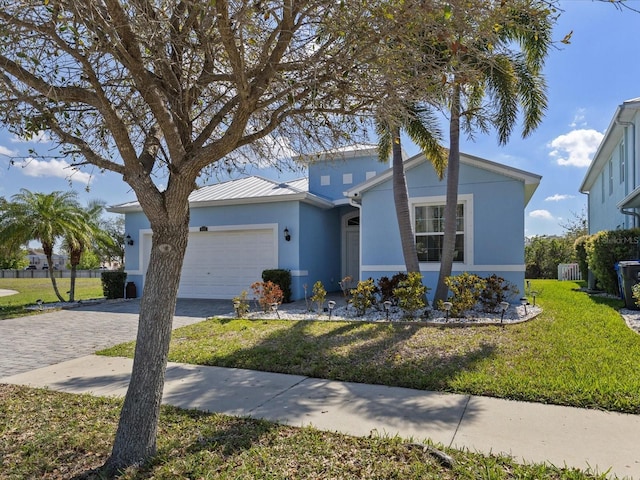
(340, 221)
(612, 181)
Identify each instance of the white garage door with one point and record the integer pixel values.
(223, 264)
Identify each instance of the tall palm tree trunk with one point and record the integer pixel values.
(401, 201)
(453, 174)
(48, 252)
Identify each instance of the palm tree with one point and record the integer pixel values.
(42, 217)
(490, 82)
(421, 126)
(87, 235)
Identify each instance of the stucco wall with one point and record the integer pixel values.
(495, 236)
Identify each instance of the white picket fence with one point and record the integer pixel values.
(569, 271)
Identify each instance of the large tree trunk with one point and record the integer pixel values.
(48, 252)
(401, 201)
(135, 440)
(451, 205)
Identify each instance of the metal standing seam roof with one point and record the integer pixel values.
(243, 190)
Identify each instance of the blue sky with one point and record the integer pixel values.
(586, 79)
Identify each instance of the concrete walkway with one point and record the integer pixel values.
(530, 432)
(53, 350)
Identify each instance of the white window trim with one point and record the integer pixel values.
(622, 160)
(325, 180)
(467, 200)
(347, 178)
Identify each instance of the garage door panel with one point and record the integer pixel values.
(222, 264)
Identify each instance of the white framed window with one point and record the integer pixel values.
(347, 178)
(622, 155)
(369, 175)
(428, 215)
(325, 180)
(610, 176)
(602, 186)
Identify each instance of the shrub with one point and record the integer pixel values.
(411, 294)
(345, 286)
(267, 293)
(319, 295)
(496, 290)
(363, 296)
(466, 289)
(606, 248)
(113, 283)
(387, 287)
(636, 293)
(580, 247)
(241, 304)
(282, 278)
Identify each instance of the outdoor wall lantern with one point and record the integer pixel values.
(503, 307)
(331, 304)
(287, 235)
(447, 308)
(129, 239)
(387, 308)
(524, 302)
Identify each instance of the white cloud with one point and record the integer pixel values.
(52, 168)
(543, 214)
(40, 137)
(575, 148)
(7, 152)
(579, 119)
(558, 197)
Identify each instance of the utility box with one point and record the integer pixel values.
(630, 275)
(130, 290)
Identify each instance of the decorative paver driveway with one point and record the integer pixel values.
(28, 343)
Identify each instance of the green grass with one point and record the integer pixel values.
(49, 435)
(578, 352)
(32, 289)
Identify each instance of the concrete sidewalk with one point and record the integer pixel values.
(531, 432)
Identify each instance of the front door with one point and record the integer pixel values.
(351, 238)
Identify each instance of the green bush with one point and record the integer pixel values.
(496, 290)
(580, 247)
(411, 294)
(466, 289)
(282, 278)
(319, 296)
(606, 248)
(113, 284)
(363, 296)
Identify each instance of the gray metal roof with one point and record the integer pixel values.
(244, 190)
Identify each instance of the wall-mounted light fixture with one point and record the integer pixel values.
(204, 228)
(128, 239)
(287, 235)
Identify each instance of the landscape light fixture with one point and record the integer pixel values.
(533, 294)
(287, 235)
(331, 304)
(274, 307)
(503, 307)
(387, 308)
(447, 308)
(129, 239)
(524, 302)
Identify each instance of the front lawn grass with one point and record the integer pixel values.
(49, 435)
(578, 352)
(31, 289)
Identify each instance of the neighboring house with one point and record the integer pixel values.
(612, 181)
(38, 259)
(341, 222)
